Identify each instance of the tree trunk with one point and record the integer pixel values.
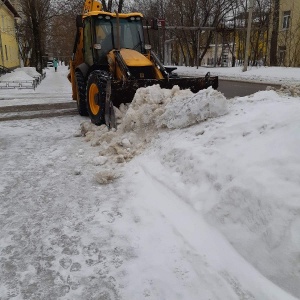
(35, 14)
(109, 7)
(274, 36)
(182, 52)
(120, 6)
(37, 48)
(208, 42)
(104, 6)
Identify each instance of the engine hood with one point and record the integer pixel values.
(133, 58)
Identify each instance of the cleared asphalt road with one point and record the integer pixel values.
(33, 111)
(237, 88)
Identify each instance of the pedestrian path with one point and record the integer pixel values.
(51, 98)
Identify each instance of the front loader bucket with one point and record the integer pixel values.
(123, 92)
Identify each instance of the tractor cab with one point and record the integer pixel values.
(106, 32)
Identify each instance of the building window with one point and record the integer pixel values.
(286, 19)
(281, 54)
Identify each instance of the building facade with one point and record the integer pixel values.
(289, 33)
(9, 50)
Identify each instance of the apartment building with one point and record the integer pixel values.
(9, 52)
(289, 33)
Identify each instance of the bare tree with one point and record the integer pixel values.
(110, 6)
(274, 35)
(153, 9)
(201, 13)
(24, 38)
(35, 14)
(52, 28)
(261, 22)
(62, 25)
(61, 28)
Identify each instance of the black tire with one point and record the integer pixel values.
(81, 94)
(96, 96)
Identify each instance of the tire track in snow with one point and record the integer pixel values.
(160, 194)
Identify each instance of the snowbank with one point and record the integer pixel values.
(139, 122)
(31, 71)
(239, 171)
(189, 110)
(286, 89)
(18, 75)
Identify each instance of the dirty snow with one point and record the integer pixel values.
(165, 207)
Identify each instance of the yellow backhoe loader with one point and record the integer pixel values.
(111, 61)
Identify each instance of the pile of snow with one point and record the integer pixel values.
(238, 171)
(31, 71)
(290, 90)
(18, 75)
(191, 109)
(240, 174)
(151, 110)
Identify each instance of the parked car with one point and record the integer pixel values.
(50, 64)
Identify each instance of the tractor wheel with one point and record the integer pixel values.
(96, 95)
(81, 94)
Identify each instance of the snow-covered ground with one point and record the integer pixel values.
(274, 75)
(55, 89)
(195, 196)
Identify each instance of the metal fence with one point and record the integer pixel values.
(22, 84)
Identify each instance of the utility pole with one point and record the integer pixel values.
(248, 35)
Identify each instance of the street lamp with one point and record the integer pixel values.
(248, 35)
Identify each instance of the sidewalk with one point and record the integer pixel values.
(54, 88)
(51, 98)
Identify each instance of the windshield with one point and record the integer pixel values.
(131, 34)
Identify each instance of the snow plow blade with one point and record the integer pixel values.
(123, 92)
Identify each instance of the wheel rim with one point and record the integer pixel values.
(92, 94)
